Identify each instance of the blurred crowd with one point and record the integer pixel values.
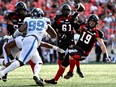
(105, 9)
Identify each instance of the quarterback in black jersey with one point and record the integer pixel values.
(65, 26)
(89, 34)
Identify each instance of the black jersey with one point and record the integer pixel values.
(64, 27)
(88, 38)
(16, 19)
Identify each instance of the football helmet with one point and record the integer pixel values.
(92, 21)
(21, 8)
(37, 12)
(66, 10)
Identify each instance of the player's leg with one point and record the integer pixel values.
(74, 60)
(36, 59)
(60, 58)
(72, 63)
(6, 62)
(32, 65)
(60, 71)
(24, 57)
(1, 61)
(78, 69)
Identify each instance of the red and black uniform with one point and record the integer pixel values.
(85, 43)
(17, 21)
(64, 27)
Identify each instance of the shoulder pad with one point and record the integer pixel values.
(101, 34)
(10, 14)
(57, 17)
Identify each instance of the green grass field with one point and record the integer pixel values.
(96, 75)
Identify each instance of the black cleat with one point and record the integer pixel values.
(4, 78)
(37, 81)
(68, 75)
(80, 73)
(52, 81)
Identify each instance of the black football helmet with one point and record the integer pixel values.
(66, 10)
(21, 8)
(93, 18)
(37, 12)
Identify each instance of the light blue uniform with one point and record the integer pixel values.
(36, 29)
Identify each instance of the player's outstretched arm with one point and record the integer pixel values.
(51, 32)
(103, 48)
(47, 45)
(20, 30)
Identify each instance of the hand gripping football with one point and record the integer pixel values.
(79, 7)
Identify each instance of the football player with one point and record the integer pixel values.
(64, 26)
(14, 21)
(89, 34)
(35, 27)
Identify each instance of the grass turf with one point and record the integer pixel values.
(96, 75)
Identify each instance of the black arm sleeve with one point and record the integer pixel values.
(10, 29)
(73, 17)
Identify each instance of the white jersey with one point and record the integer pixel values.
(47, 20)
(36, 27)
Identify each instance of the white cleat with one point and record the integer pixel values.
(1, 74)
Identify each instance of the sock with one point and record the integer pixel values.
(32, 65)
(59, 63)
(37, 69)
(1, 61)
(78, 65)
(72, 65)
(13, 66)
(59, 73)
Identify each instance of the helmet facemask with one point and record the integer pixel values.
(92, 21)
(66, 10)
(92, 24)
(21, 8)
(37, 12)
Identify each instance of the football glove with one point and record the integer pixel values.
(58, 49)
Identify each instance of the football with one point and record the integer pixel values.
(79, 7)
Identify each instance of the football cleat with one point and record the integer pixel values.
(4, 78)
(68, 75)
(52, 81)
(39, 82)
(80, 73)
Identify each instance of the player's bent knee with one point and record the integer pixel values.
(21, 63)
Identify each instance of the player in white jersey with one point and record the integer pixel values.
(6, 61)
(35, 26)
